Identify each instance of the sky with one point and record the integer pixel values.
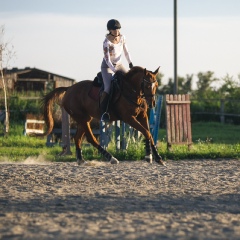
(65, 37)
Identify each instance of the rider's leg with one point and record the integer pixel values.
(104, 107)
(107, 74)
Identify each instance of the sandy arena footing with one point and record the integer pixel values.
(188, 199)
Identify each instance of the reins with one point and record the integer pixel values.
(133, 96)
(142, 95)
(122, 93)
(131, 101)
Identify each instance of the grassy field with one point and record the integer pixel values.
(210, 141)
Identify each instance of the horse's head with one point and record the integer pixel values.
(141, 83)
(149, 86)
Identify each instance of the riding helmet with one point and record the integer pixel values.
(113, 24)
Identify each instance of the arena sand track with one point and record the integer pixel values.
(132, 200)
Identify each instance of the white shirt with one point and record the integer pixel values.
(113, 52)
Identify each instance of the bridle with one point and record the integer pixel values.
(146, 96)
(142, 87)
(143, 95)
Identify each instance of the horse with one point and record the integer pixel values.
(137, 90)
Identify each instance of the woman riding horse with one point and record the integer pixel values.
(114, 45)
(137, 92)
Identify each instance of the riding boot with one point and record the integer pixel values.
(104, 107)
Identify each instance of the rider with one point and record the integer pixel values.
(113, 46)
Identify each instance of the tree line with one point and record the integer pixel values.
(210, 96)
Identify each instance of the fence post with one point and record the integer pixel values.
(117, 134)
(222, 117)
(124, 138)
(103, 134)
(65, 133)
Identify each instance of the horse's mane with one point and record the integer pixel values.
(133, 71)
(129, 74)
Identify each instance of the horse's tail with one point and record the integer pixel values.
(47, 101)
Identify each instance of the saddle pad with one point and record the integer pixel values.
(94, 93)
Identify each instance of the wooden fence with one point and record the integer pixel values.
(178, 120)
(221, 110)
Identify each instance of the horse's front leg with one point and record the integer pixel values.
(142, 125)
(148, 151)
(156, 155)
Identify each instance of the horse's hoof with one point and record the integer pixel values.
(80, 161)
(161, 162)
(149, 158)
(114, 161)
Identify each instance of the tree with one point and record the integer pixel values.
(230, 87)
(159, 80)
(6, 53)
(168, 88)
(204, 85)
(184, 85)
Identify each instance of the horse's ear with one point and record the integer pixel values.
(156, 72)
(145, 71)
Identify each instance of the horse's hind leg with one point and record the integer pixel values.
(107, 155)
(91, 139)
(78, 141)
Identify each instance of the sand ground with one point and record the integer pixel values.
(188, 199)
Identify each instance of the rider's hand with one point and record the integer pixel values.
(130, 65)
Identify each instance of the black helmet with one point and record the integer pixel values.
(113, 24)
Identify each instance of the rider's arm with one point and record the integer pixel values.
(126, 52)
(106, 53)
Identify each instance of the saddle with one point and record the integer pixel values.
(98, 80)
(98, 86)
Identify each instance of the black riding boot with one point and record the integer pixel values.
(104, 107)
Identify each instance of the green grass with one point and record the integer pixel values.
(216, 133)
(210, 141)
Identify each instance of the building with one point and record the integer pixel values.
(33, 79)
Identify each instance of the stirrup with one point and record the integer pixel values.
(105, 117)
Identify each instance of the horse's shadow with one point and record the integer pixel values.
(99, 203)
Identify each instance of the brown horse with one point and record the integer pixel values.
(137, 92)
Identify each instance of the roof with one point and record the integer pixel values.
(28, 69)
